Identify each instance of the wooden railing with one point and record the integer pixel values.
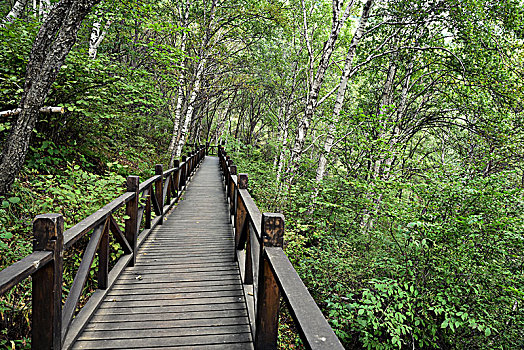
(53, 325)
(267, 272)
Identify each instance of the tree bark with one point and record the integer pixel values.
(180, 94)
(303, 125)
(191, 106)
(16, 11)
(52, 44)
(339, 101)
(97, 34)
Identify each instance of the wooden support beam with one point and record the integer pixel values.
(268, 301)
(48, 232)
(132, 213)
(159, 190)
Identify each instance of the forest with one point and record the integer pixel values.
(389, 133)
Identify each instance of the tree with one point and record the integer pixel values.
(52, 44)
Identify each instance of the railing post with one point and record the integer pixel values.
(159, 190)
(183, 176)
(207, 148)
(148, 207)
(268, 300)
(189, 168)
(242, 228)
(176, 174)
(103, 258)
(232, 202)
(131, 226)
(48, 233)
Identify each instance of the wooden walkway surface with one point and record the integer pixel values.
(185, 290)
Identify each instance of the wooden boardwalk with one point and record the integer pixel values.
(185, 290)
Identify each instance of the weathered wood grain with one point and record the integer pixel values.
(184, 289)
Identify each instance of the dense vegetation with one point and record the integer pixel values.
(389, 133)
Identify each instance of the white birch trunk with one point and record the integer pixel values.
(43, 8)
(16, 11)
(339, 101)
(191, 107)
(97, 35)
(180, 95)
(176, 122)
(283, 150)
(327, 51)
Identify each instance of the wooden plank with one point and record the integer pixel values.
(80, 278)
(162, 316)
(310, 321)
(177, 295)
(146, 332)
(222, 339)
(176, 281)
(168, 278)
(173, 301)
(217, 322)
(172, 309)
(198, 285)
(14, 274)
(186, 269)
(187, 288)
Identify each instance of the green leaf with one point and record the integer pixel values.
(14, 200)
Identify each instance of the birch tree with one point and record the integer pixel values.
(339, 18)
(339, 101)
(172, 149)
(16, 11)
(98, 33)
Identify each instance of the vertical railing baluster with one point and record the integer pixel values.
(48, 233)
(148, 207)
(242, 231)
(268, 300)
(183, 172)
(103, 258)
(159, 190)
(176, 174)
(232, 203)
(131, 232)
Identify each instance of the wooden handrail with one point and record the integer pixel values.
(266, 271)
(54, 326)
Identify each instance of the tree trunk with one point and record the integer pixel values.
(97, 34)
(16, 11)
(327, 51)
(47, 56)
(191, 106)
(43, 8)
(339, 101)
